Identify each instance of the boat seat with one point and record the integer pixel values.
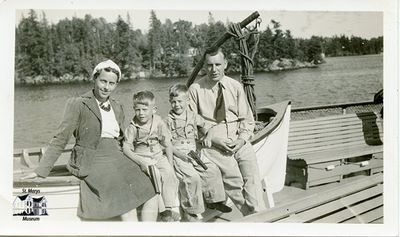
(359, 200)
(27, 159)
(327, 149)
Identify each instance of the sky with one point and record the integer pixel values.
(302, 24)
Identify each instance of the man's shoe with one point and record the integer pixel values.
(220, 206)
(169, 216)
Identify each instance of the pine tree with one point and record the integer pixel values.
(30, 46)
(314, 50)
(288, 45)
(266, 50)
(154, 38)
(126, 55)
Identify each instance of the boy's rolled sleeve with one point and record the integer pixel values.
(165, 132)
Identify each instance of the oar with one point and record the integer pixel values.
(216, 45)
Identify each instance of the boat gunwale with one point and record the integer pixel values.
(279, 110)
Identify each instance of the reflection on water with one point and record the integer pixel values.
(38, 110)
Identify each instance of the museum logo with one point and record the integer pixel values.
(29, 207)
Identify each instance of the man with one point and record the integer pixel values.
(221, 101)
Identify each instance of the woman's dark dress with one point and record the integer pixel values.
(115, 184)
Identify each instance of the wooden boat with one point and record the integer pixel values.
(330, 159)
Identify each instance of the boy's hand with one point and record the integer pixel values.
(207, 141)
(183, 157)
(144, 166)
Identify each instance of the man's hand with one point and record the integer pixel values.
(236, 145)
(222, 144)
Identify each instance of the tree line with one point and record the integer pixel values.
(68, 50)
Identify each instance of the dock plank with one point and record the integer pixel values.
(332, 206)
(366, 217)
(349, 212)
(314, 200)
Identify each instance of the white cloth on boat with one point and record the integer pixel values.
(272, 155)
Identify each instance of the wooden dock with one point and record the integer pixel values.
(354, 200)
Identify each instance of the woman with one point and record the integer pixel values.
(111, 185)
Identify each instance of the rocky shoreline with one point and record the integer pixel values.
(277, 65)
(289, 64)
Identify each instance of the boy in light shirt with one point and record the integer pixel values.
(195, 181)
(145, 138)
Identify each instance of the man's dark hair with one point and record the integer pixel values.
(213, 52)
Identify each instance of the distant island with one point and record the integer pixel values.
(68, 50)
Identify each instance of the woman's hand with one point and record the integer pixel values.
(31, 175)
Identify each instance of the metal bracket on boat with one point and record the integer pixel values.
(25, 159)
(330, 167)
(42, 151)
(361, 164)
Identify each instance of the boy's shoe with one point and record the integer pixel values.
(169, 216)
(220, 206)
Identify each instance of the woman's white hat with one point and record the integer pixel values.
(107, 64)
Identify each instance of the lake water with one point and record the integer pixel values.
(38, 110)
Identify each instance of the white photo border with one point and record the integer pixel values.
(390, 8)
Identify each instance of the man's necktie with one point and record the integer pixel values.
(105, 107)
(220, 114)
